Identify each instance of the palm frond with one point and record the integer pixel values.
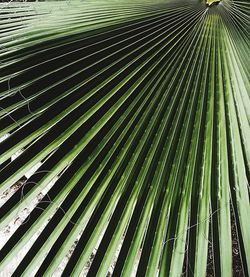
(124, 138)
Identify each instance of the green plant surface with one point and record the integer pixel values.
(125, 138)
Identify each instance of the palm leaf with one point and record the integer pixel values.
(125, 138)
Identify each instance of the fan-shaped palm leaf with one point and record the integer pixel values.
(125, 138)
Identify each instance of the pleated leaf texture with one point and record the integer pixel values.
(124, 129)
